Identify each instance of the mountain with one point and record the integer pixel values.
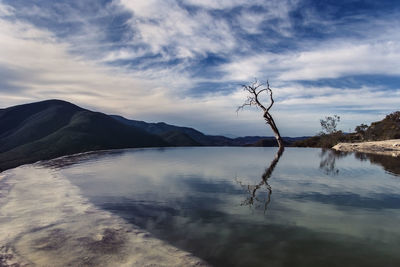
(191, 136)
(54, 128)
(176, 138)
(194, 137)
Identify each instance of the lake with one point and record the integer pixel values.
(244, 206)
(230, 206)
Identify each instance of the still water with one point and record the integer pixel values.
(251, 206)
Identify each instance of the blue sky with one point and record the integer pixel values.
(183, 61)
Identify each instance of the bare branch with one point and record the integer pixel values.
(271, 99)
(262, 90)
(242, 107)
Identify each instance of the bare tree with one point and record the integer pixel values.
(253, 99)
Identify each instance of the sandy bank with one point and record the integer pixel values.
(44, 221)
(387, 147)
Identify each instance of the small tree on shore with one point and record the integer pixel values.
(361, 129)
(254, 91)
(329, 124)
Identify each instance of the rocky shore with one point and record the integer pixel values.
(387, 147)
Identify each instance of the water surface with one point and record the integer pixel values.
(229, 207)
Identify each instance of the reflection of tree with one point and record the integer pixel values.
(329, 156)
(252, 189)
(328, 160)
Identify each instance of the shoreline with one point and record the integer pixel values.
(386, 147)
(45, 221)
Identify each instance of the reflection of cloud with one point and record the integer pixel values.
(46, 222)
(234, 241)
(345, 200)
(166, 192)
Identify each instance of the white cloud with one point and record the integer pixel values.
(53, 69)
(222, 4)
(45, 68)
(123, 54)
(350, 58)
(6, 10)
(172, 31)
(250, 22)
(331, 59)
(276, 8)
(245, 68)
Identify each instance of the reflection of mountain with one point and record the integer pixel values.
(80, 158)
(390, 164)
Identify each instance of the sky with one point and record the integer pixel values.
(184, 61)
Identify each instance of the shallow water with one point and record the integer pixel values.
(230, 208)
(45, 221)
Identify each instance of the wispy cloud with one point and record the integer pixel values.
(333, 58)
(174, 32)
(348, 58)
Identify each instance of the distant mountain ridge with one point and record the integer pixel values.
(54, 128)
(199, 138)
(193, 136)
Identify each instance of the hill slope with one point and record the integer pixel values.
(388, 128)
(163, 129)
(385, 129)
(176, 138)
(54, 128)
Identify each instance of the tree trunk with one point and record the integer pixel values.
(268, 118)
